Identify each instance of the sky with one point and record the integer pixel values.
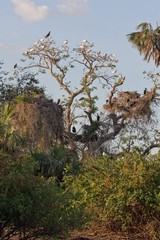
(106, 23)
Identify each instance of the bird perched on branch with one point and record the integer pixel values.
(94, 138)
(104, 154)
(58, 101)
(73, 129)
(98, 118)
(15, 65)
(82, 98)
(48, 34)
(145, 91)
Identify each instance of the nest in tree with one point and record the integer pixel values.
(39, 121)
(131, 104)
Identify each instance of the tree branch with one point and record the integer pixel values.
(148, 149)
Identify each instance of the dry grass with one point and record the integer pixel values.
(102, 232)
(40, 121)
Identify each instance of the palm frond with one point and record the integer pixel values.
(144, 26)
(147, 42)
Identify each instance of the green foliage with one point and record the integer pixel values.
(54, 161)
(9, 137)
(124, 192)
(21, 98)
(140, 39)
(22, 85)
(33, 204)
(146, 40)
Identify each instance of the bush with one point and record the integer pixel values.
(124, 192)
(53, 162)
(32, 204)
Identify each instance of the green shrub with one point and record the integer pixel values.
(32, 204)
(53, 162)
(124, 192)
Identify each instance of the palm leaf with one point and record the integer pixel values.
(144, 26)
(147, 42)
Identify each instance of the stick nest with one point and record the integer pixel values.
(131, 104)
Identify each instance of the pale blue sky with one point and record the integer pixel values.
(104, 22)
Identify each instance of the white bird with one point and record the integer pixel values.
(65, 42)
(113, 72)
(41, 47)
(38, 44)
(89, 50)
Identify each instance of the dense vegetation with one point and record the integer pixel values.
(123, 193)
(64, 164)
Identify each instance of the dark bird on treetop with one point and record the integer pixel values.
(58, 101)
(98, 118)
(94, 138)
(15, 65)
(82, 98)
(73, 129)
(48, 34)
(145, 91)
